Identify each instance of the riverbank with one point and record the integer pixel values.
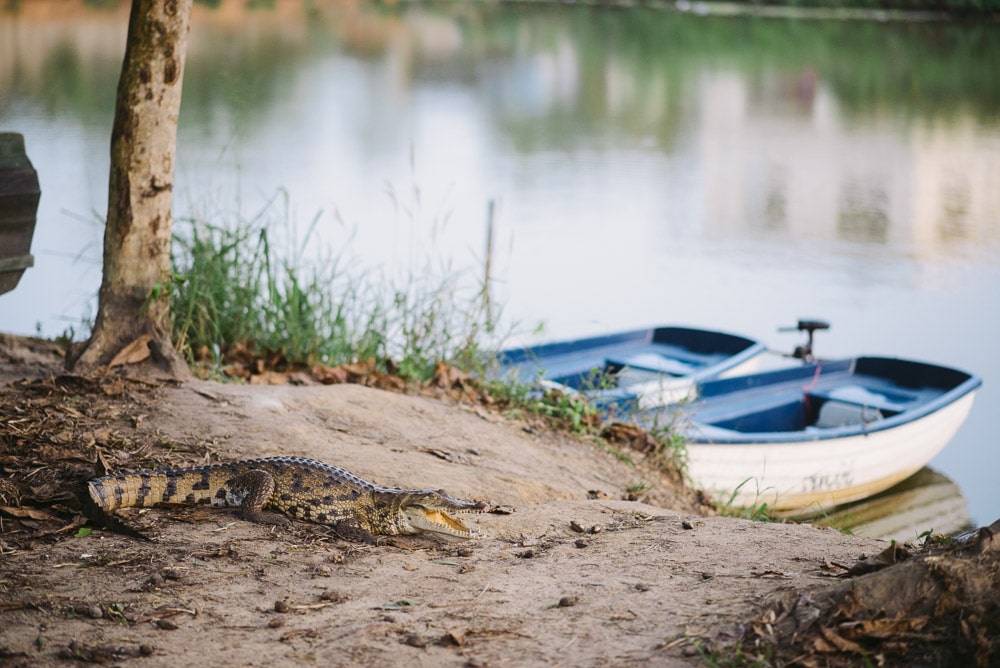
(600, 560)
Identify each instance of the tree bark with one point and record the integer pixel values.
(134, 300)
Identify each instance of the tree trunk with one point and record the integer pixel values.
(134, 301)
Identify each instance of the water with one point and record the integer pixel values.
(649, 167)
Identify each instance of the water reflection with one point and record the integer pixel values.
(870, 136)
(861, 214)
(923, 502)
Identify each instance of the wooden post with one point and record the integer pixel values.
(488, 264)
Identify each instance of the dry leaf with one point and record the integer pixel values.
(382, 381)
(887, 557)
(269, 378)
(842, 644)
(29, 513)
(133, 353)
(440, 454)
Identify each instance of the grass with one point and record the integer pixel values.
(242, 285)
(736, 655)
(758, 511)
(667, 431)
(568, 411)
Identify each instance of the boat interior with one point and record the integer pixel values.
(814, 397)
(620, 360)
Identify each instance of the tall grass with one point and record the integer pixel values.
(244, 284)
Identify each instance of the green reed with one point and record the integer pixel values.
(243, 283)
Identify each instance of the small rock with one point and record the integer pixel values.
(568, 601)
(66, 653)
(686, 524)
(276, 622)
(388, 619)
(333, 596)
(581, 542)
(95, 612)
(166, 624)
(415, 640)
(155, 580)
(642, 586)
(281, 606)
(453, 637)
(146, 650)
(525, 554)
(689, 650)
(464, 552)
(577, 527)
(172, 574)
(597, 528)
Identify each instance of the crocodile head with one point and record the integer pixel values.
(430, 511)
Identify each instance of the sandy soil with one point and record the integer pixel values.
(576, 575)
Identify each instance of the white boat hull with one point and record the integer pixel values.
(806, 474)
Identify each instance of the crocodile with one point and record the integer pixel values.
(300, 488)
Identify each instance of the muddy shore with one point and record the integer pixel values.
(576, 574)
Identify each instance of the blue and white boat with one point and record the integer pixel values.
(644, 367)
(820, 434)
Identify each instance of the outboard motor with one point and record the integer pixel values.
(804, 352)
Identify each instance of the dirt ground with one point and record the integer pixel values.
(574, 575)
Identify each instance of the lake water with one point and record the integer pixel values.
(648, 167)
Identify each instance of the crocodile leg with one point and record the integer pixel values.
(259, 487)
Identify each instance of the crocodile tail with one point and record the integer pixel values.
(125, 490)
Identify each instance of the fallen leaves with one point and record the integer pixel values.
(895, 553)
(631, 435)
(58, 432)
(937, 605)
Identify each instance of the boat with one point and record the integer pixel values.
(644, 367)
(819, 434)
(19, 196)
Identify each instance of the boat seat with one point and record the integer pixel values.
(891, 402)
(654, 363)
(835, 413)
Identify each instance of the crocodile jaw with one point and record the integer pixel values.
(436, 521)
